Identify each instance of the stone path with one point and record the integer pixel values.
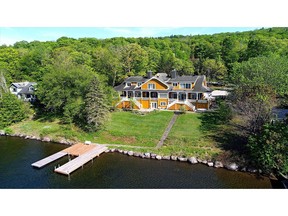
(167, 130)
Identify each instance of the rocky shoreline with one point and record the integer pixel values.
(149, 155)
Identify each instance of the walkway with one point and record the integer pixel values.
(167, 130)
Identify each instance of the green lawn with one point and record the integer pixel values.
(132, 130)
(188, 139)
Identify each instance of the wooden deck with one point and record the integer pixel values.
(49, 159)
(74, 164)
(78, 149)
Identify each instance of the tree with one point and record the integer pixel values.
(254, 102)
(215, 70)
(269, 149)
(3, 85)
(63, 88)
(96, 108)
(12, 110)
(268, 70)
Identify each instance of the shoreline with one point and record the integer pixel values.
(232, 166)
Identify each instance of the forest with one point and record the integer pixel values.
(70, 73)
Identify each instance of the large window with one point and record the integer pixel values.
(128, 84)
(151, 86)
(175, 84)
(162, 103)
(192, 96)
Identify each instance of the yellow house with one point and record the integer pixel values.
(164, 92)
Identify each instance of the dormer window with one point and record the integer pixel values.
(139, 84)
(175, 84)
(31, 88)
(128, 84)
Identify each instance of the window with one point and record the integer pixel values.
(137, 94)
(128, 84)
(151, 86)
(192, 96)
(173, 95)
(162, 103)
(139, 83)
(175, 84)
(163, 95)
(31, 88)
(153, 105)
(154, 94)
(185, 85)
(145, 94)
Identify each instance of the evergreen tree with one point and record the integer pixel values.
(96, 108)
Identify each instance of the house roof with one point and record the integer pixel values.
(184, 78)
(136, 79)
(198, 87)
(24, 86)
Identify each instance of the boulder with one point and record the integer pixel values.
(2, 132)
(192, 160)
(120, 151)
(88, 142)
(174, 158)
(107, 151)
(136, 154)
(142, 155)
(147, 155)
(158, 157)
(125, 152)
(130, 153)
(182, 159)
(166, 157)
(210, 164)
(153, 156)
(46, 139)
(231, 166)
(112, 150)
(218, 164)
(27, 137)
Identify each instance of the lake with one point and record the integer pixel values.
(111, 170)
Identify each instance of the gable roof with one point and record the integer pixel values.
(198, 85)
(184, 78)
(155, 79)
(24, 86)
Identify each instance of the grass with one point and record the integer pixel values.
(186, 138)
(141, 133)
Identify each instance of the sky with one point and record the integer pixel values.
(10, 35)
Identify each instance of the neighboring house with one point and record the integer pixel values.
(164, 92)
(24, 90)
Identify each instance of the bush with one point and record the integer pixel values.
(12, 110)
(8, 131)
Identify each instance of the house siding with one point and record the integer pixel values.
(158, 85)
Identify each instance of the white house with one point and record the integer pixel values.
(23, 90)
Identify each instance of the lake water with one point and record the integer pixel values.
(111, 170)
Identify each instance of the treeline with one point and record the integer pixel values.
(116, 58)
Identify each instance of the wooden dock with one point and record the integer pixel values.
(76, 163)
(83, 151)
(49, 159)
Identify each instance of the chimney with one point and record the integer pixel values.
(174, 74)
(149, 74)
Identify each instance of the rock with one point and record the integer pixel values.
(27, 137)
(34, 137)
(153, 156)
(136, 154)
(87, 142)
(204, 161)
(130, 153)
(142, 155)
(192, 160)
(46, 139)
(252, 170)
(147, 155)
(182, 159)
(112, 150)
(210, 164)
(174, 158)
(2, 132)
(232, 166)
(125, 152)
(243, 169)
(158, 157)
(107, 151)
(166, 157)
(120, 151)
(218, 164)
(64, 142)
